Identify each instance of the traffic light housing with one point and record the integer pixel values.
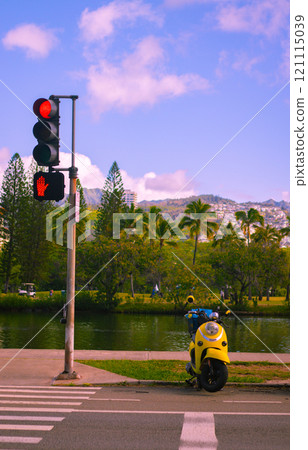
(46, 131)
(48, 186)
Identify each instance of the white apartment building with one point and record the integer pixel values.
(130, 197)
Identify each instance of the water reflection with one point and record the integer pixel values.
(138, 332)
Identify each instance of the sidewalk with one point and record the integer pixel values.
(39, 367)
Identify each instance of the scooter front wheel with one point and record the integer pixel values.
(214, 375)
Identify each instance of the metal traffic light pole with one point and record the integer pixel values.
(69, 372)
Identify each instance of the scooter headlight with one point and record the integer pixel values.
(212, 328)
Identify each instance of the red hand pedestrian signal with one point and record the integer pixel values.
(48, 186)
(41, 186)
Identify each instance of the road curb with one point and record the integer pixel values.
(183, 383)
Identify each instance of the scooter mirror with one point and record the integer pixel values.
(190, 299)
(228, 312)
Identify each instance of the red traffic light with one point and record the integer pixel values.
(45, 109)
(48, 186)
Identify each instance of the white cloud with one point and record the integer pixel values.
(258, 17)
(140, 79)
(4, 156)
(89, 174)
(100, 23)
(262, 17)
(158, 187)
(150, 186)
(37, 42)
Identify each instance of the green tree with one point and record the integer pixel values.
(81, 225)
(112, 202)
(248, 220)
(159, 232)
(194, 222)
(285, 231)
(232, 265)
(108, 263)
(271, 268)
(33, 250)
(128, 223)
(158, 228)
(265, 235)
(231, 236)
(11, 203)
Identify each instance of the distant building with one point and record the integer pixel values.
(130, 197)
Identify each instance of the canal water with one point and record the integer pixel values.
(137, 332)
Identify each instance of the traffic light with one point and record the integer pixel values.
(46, 131)
(48, 186)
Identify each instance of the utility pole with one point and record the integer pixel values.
(69, 372)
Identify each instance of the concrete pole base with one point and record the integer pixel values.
(68, 376)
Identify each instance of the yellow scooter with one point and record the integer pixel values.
(208, 349)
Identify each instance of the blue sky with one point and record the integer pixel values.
(163, 86)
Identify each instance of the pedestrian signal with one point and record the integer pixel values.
(48, 186)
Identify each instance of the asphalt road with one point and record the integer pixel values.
(123, 417)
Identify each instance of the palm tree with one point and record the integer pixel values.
(229, 238)
(194, 223)
(247, 220)
(158, 230)
(163, 229)
(286, 232)
(131, 224)
(266, 235)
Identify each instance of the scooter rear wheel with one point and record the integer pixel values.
(214, 375)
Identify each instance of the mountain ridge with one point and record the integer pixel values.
(93, 198)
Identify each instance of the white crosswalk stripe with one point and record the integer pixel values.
(20, 440)
(31, 402)
(32, 391)
(67, 397)
(26, 427)
(45, 400)
(51, 388)
(33, 418)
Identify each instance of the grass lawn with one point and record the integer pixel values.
(240, 372)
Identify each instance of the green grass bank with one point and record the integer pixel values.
(140, 304)
(239, 372)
